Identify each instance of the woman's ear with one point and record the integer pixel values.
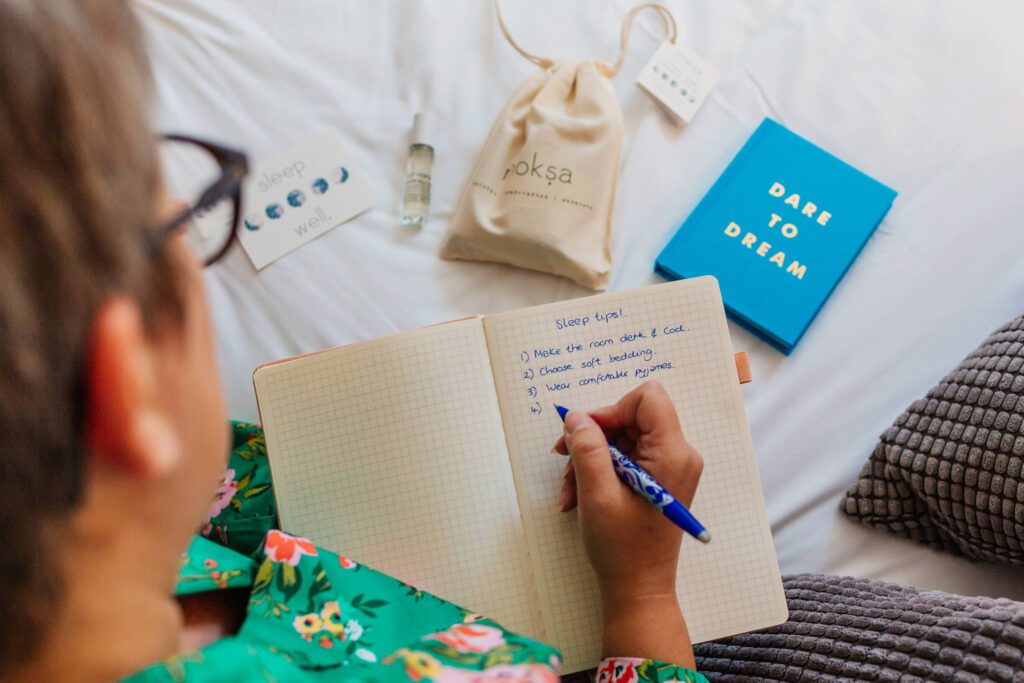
(127, 425)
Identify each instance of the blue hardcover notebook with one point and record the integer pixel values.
(778, 229)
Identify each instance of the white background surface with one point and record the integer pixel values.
(924, 95)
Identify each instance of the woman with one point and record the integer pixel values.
(112, 425)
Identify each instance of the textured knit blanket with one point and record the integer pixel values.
(842, 628)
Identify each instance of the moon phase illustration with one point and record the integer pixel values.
(253, 222)
(296, 198)
(339, 175)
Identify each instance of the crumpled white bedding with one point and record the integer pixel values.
(925, 95)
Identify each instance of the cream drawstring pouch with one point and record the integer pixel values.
(542, 190)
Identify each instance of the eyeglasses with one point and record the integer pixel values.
(208, 177)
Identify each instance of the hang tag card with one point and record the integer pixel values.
(299, 196)
(678, 79)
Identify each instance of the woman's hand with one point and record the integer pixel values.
(633, 548)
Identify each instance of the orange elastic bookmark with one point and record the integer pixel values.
(743, 372)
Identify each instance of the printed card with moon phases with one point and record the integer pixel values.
(298, 196)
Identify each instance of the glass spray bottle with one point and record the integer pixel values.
(416, 199)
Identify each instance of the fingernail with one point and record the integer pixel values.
(555, 451)
(574, 421)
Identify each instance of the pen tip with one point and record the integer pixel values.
(704, 537)
(562, 411)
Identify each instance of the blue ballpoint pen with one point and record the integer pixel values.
(636, 478)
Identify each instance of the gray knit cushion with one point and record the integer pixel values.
(948, 471)
(842, 628)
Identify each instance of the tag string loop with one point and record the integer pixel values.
(627, 24)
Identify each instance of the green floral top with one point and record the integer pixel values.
(314, 615)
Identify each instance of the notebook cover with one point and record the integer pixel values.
(779, 228)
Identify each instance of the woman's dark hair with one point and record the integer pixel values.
(78, 187)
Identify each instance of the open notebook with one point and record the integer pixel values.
(427, 455)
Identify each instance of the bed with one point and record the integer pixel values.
(925, 95)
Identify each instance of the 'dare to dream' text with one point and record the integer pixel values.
(808, 211)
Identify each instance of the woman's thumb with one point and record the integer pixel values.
(588, 447)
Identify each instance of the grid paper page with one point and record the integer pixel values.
(392, 452)
(587, 353)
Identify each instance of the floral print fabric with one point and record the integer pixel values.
(243, 508)
(314, 615)
(634, 670)
(207, 566)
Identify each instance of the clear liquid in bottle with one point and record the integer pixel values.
(419, 172)
(416, 199)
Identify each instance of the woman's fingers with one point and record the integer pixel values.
(643, 410)
(624, 441)
(567, 499)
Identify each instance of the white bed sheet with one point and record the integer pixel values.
(925, 95)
